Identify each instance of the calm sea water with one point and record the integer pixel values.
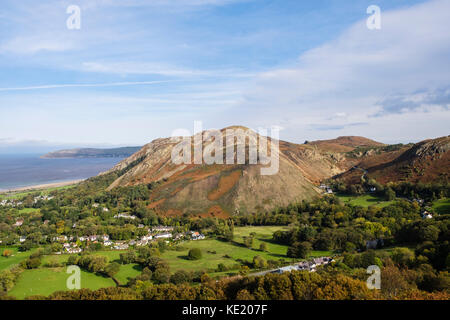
(26, 170)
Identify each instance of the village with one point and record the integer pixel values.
(16, 203)
(75, 244)
(309, 265)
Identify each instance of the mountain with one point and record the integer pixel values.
(345, 144)
(220, 190)
(425, 161)
(92, 153)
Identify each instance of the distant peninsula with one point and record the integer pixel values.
(123, 152)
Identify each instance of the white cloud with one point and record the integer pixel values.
(358, 72)
(86, 85)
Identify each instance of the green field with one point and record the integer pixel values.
(364, 200)
(127, 272)
(46, 281)
(113, 256)
(442, 206)
(235, 250)
(16, 258)
(21, 194)
(28, 210)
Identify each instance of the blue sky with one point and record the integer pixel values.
(138, 70)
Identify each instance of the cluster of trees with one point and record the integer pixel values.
(403, 269)
(296, 285)
(328, 224)
(8, 279)
(91, 263)
(428, 192)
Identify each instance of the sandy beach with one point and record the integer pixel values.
(43, 186)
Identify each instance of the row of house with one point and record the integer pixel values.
(10, 203)
(42, 198)
(124, 216)
(15, 203)
(327, 189)
(96, 205)
(310, 265)
(426, 215)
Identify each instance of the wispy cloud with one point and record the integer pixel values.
(363, 73)
(158, 65)
(88, 85)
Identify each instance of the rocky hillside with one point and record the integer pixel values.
(345, 144)
(221, 190)
(426, 161)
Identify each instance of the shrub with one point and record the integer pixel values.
(195, 254)
(112, 268)
(259, 262)
(32, 263)
(263, 247)
(7, 253)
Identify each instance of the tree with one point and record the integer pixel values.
(128, 257)
(221, 267)
(161, 275)
(244, 270)
(56, 247)
(32, 263)
(404, 257)
(181, 276)
(7, 253)
(112, 269)
(389, 194)
(6, 281)
(299, 250)
(195, 254)
(349, 247)
(27, 245)
(263, 247)
(259, 262)
(248, 242)
(429, 233)
(73, 260)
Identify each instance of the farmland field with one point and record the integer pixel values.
(364, 200)
(127, 272)
(46, 281)
(442, 206)
(111, 255)
(15, 258)
(216, 251)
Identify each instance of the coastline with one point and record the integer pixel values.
(42, 186)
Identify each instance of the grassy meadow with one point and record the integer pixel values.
(364, 200)
(14, 259)
(45, 279)
(442, 206)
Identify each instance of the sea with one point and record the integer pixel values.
(23, 170)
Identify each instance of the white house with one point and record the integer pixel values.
(124, 216)
(163, 235)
